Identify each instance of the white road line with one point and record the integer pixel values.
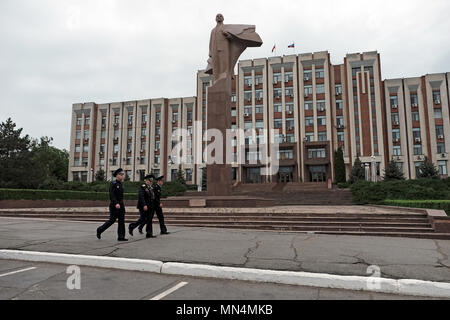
(17, 271)
(169, 291)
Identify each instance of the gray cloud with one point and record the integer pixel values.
(55, 53)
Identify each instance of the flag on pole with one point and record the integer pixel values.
(291, 45)
(274, 47)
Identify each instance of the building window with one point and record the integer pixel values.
(116, 148)
(308, 90)
(397, 151)
(309, 136)
(143, 132)
(248, 81)
(76, 162)
(437, 97)
(322, 136)
(321, 121)
(144, 118)
(338, 89)
(339, 104)
(84, 162)
(290, 138)
(259, 124)
(320, 88)
(258, 94)
(233, 112)
(316, 153)
(289, 92)
(259, 109)
(157, 159)
(130, 119)
(393, 101)
(439, 132)
(394, 118)
(189, 175)
(84, 176)
(309, 106)
(277, 107)
(417, 149)
(79, 124)
(288, 76)
(258, 80)
(248, 125)
(289, 107)
(396, 135)
(355, 71)
(307, 75)
(321, 105)
(276, 78)
(248, 110)
(320, 73)
(416, 133)
(415, 116)
(438, 113)
(78, 134)
(340, 136)
(277, 93)
(102, 162)
(116, 134)
(442, 165)
(289, 123)
(87, 121)
(414, 100)
(339, 121)
(278, 123)
(85, 148)
(77, 148)
(440, 147)
(116, 119)
(157, 145)
(285, 155)
(309, 121)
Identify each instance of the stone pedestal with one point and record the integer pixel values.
(219, 117)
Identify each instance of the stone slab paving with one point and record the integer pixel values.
(397, 258)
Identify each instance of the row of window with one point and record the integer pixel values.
(415, 100)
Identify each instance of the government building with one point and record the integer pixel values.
(310, 106)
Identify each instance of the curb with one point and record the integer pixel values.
(409, 287)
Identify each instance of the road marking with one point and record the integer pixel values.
(17, 271)
(169, 291)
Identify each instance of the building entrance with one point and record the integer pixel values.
(253, 175)
(317, 173)
(285, 174)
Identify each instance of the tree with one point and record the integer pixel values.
(339, 166)
(204, 178)
(393, 172)
(100, 175)
(52, 162)
(357, 171)
(428, 170)
(16, 165)
(180, 175)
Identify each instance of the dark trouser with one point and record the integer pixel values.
(160, 216)
(115, 214)
(143, 217)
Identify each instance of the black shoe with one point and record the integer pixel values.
(122, 239)
(140, 231)
(150, 236)
(165, 232)
(99, 235)
(130, 230)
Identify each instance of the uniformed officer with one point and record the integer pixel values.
(144, 204)
(157, 207)
(116, 207)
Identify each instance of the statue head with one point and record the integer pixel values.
(219, 18)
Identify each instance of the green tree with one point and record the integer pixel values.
(357, 173)
(180, 175)
(100, 175)
(339, 166)
(51, 162)
(393, 172)
(204, 178)
(428, 170)
(15, 157)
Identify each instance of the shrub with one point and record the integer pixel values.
(343, 185)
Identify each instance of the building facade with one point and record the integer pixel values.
(306, 105)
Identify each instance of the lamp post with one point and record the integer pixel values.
(374, 169)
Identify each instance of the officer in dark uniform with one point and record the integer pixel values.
(116, 207)
(157, 207)
(144, 204)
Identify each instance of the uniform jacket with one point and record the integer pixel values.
(145, 196)
(116, 193)
(157, 193)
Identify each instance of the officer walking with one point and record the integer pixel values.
(116, 207)
(157, 207)
(144, 204)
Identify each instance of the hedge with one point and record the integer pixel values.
(168, 190)
(427, 204)
(423, 189)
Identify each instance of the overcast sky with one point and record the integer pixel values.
(55, 53)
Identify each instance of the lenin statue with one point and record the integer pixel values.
(227, 43)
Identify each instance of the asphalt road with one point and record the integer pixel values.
(43, 281)
(397, 258)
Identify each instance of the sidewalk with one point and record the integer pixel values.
(341, 255)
